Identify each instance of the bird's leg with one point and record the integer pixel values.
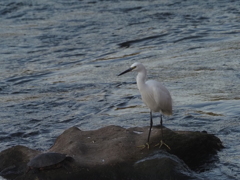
(161, 142)
(151, 123)
(149, 133)
(161, 119)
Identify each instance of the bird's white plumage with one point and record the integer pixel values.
(156, 97)
(154, 94)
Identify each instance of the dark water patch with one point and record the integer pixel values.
(3, 86)
(65, 87)
(201, 105)
(193, 48)
(163, 15)
(17, 134)
(34, 120)
(186, 38)
(37, 50)
(11, 7)
(17, 16)
(127, 10)
(124, 83)
(188, 117)
(128, 43)
(67, 120)
(71, 55)
(49, 40)
(129, 97)
(174, 3)
(66, 50)
(21, 91)
(123, 104)
(6, 138)
(30, 134)
(24, 79)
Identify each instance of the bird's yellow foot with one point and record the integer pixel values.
(161, 144)
(144, 146)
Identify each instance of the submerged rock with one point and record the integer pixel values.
(112, 153)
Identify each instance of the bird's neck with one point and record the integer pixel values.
(141, 79)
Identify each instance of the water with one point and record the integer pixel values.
(59, 61)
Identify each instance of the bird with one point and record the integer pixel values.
(154, 95)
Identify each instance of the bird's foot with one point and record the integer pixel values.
(144, 146)
(161, 143)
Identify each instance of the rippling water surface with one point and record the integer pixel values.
(59, 61)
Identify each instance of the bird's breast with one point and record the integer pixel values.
(148, 99)
(156, 97)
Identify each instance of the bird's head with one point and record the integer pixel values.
(134, 67)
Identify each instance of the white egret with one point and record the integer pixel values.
(156, 97)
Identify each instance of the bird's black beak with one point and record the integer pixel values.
(128, 70)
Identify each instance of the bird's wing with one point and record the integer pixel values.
(161, 96)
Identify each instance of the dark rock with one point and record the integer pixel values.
(48, 160)
(112, 153)
(13, 161)
(164, 165)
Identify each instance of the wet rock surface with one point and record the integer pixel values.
(112, 153)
